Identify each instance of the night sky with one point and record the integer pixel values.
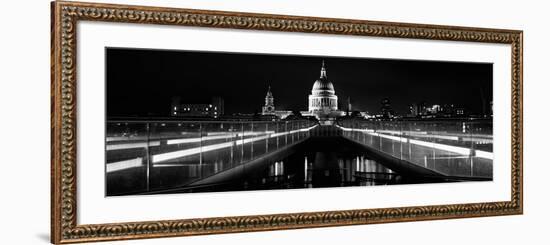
(142, 82)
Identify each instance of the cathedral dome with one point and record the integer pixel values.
(323, 99)
(323, 86)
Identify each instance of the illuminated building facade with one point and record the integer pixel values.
(423, 110)
(386, 110)
(213, 109)
(323, 98)
(323, 101)
(269, 107)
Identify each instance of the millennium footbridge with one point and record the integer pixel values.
(147, 157)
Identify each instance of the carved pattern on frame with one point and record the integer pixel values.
(70, 13)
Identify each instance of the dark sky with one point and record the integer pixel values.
(142, 82)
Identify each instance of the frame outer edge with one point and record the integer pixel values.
(520, 133)
(290, 17)
(55, 127)
(65, 229)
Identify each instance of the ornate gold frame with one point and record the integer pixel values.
(65, 15)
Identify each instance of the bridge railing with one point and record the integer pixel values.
(453, 148)
(156, 155)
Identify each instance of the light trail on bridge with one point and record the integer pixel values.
(113, 146)
(163, 157)
(188, 152)
(439, 146)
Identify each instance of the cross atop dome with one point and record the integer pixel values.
(323, 70)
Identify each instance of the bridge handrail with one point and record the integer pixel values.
(468, 145)
(147, 148)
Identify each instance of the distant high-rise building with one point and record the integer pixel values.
(219, 105)
(386, 110)
(349, 109)
(414, 110)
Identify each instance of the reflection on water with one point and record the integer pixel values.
(322, 169)
(366, 172)
(317, 163)
(276, 169)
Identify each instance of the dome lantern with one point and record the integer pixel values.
(323, 70)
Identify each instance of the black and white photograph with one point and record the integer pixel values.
(180, 121)
(274, 122)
